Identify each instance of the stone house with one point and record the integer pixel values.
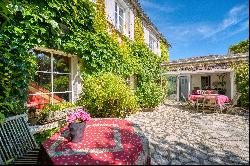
(55, 65)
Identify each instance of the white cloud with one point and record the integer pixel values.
(235, 19)
(242, 27)
(236, 15)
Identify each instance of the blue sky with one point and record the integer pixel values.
(199, 27)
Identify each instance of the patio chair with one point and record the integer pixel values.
(199, 103)
(210, 104)
(17, 144)
(232, 103)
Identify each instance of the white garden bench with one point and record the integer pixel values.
(17, 144)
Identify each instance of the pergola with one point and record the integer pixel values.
(204, 65)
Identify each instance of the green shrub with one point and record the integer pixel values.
(242, 82)
(150, 94)
(40, 137)
(241, 47)
(108, 95)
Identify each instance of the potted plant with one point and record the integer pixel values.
(77, 124)
(222, 84)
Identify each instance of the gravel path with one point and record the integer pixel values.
(180, 137)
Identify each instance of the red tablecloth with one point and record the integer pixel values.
(105, 141)
(195, 97)
(220, 99)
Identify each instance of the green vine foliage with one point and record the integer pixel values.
(242, 73)
(149, 63)
(52, 24)
(4, 12)
(100, 17)
(139, 32)
(164, 51)
(240, 47)
(242, 82)
(72, 26)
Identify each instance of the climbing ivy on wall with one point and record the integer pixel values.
(53, 24)
(71, 26)
(100, 22)
(164, 51)
(242, 82)
(241, 72)
(138, 30)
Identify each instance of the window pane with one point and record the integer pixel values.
(120, 24)
(60, 97)
(151, 43)
(116, 19)
(121, 12)
(43, 62)
(61, 64)
(42, 82)
(61, 82)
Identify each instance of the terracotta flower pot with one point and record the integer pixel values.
(77, 131)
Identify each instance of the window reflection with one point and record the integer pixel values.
(61, 82)
(43, 62)
(61, 64)
(60, 97)
(43, 82)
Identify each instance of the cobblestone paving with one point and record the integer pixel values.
(181, 137)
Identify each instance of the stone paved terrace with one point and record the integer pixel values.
(179, 137)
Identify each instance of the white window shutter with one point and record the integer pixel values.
(146, 35)
(110, 10)
(132, 18)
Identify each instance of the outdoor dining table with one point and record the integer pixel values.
(220, 99)
(105, 141)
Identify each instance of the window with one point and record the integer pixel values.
(205, 82)
(52, 81)
(119, 17)
(151, 43)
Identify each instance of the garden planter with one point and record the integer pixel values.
(77, 131)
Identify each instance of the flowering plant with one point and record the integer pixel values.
(78, 116)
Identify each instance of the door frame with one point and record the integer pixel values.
(178, 85)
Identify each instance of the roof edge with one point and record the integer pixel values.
(139, 9)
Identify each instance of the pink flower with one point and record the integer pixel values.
(79, 115)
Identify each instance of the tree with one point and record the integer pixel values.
(241, 47)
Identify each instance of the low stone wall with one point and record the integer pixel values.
(54, 119)
(52, 116)
(62, 114)
(39, 128)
